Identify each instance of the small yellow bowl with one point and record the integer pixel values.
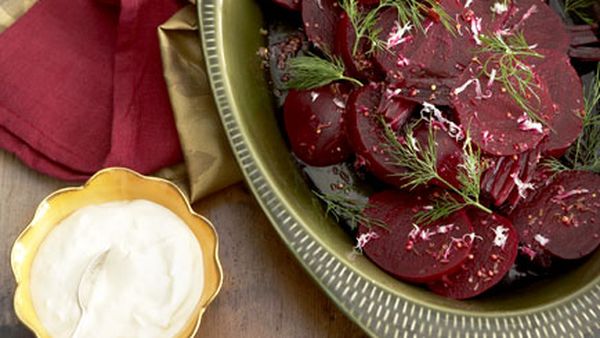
(107, 185)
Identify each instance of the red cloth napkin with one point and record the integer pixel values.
(81, 88)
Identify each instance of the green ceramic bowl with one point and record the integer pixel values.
(568, 305)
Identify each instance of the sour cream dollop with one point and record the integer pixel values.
(147, 285)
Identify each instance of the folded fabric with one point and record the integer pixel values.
(11, 10)
(81, 87)
(208, 157)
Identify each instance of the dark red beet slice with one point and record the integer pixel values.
(502, 189)
(293, 5)
(438, 54)
(357, 64)
(585, 54)
(563, 219)
(320, 18)
(413, 253)
(435, 58)
(314, 125)
(493, 253)
(535, 19)
(492, 18)
(434, 90)
(516, 173)
(366, 133)
(367, 139)
(508, 173)
(498, 126)
(565, 88)
(387, 60)
(520, 183)
(534, 178)
(497, 175)
(583, 35)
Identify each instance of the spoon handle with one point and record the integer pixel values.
(85, 287)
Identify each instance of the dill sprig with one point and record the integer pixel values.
(555, 165)
(420, 167)
(409, 12)
(308, 72)
(516, 76)
(420, 164)
(585, 153)
(580, 9)
(441, 208)
(344, 208)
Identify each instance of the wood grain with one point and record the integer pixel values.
(266, 293)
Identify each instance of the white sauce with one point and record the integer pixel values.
(148, 285)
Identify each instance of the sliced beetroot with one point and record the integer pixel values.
(426, 59)
(391, 59)
(507, 174)
(493, 253)
(497, 124)
(521, 183)
(411, 252)
(293, 5)
(534, 178)
(566, 91)
(563, 218)
(357, 64)
(366, 134)
(503, 189)
(314, 125)
(320, 18)
(535, 19)
(583, 35)
(438, 54)
(434, 53)
(434, 90)
(492, 17)
(434, 57)
(585, 54)
(497, 175)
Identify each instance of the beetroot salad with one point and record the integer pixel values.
(457, 141)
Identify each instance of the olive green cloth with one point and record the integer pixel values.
(208, 157)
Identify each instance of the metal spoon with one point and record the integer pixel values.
(86, 284)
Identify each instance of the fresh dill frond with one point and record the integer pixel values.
(585, 153)
(363, 22)
(441, 208)
(580, 9)
(554, 165)
(344, 208)
(420, 167)
(516, 76)
(445, 19)
(469, 177)
(409, 12)
(587, 148)
(308, 72)
(471, 169)
(420, 164)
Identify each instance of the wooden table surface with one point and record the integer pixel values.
(266, 293)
